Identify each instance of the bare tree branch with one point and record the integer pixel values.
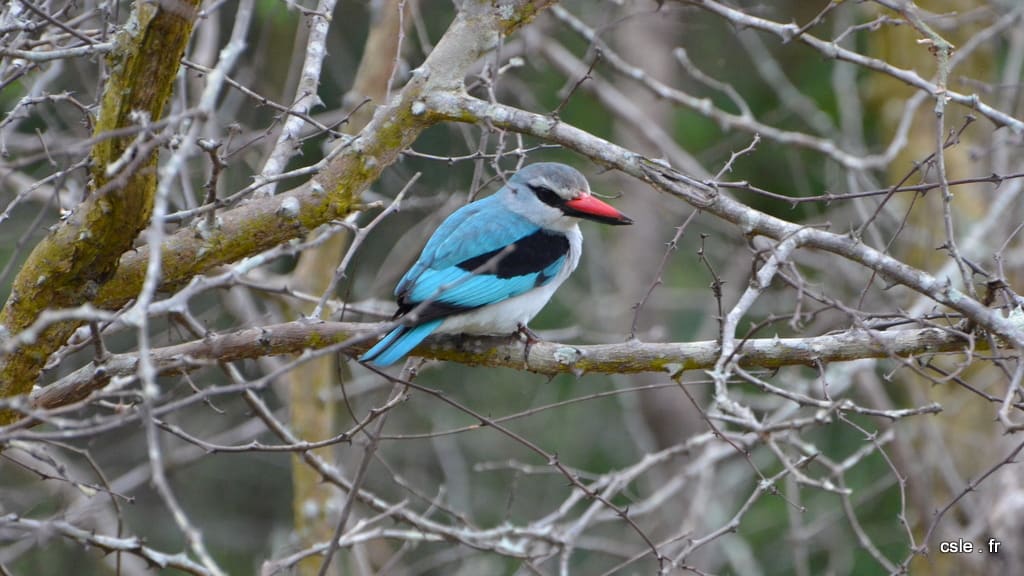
(544, 357)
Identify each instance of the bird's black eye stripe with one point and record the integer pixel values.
(547, 195)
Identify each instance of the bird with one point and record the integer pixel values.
(493, 264)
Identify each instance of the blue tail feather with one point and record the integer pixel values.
(398, 343)
(382, 344)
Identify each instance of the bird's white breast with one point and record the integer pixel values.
(506, 316)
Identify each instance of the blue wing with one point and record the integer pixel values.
(482, 254)
(477, 228)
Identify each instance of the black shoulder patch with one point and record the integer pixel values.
(530, 254)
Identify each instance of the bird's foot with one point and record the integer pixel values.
(530, 338)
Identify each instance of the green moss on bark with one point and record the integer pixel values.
(67, 266)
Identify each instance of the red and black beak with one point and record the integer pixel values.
(590, 208)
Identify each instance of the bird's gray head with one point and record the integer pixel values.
(554, 195)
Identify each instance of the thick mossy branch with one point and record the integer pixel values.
(509, 352)
(66, 268)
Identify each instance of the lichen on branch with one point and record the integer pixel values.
(70, 264)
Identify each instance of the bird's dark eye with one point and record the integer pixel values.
(547, 195)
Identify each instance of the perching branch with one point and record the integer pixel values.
(496, 351)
